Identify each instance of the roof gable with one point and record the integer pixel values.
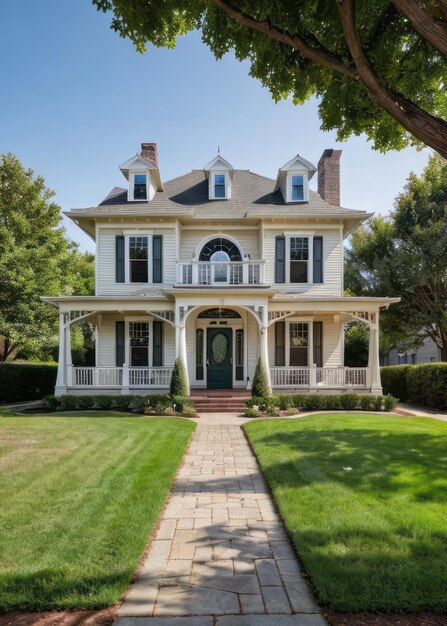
(218, 163)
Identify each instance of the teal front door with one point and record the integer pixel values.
(219, 358)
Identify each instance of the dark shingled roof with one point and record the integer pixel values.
(252, 195)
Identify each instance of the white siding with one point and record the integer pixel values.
(332, 262)
(105, 259)
(190, 239)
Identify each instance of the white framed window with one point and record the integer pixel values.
(138, 265)
(219, 186)
(299, 344)
(139, 344)
(138, 186)
(297, 187)
(299, 259)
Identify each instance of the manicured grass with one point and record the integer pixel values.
(364, 498)
(79, 499)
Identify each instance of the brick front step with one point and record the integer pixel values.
(216, 405)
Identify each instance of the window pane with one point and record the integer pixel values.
(239, 355)
(139, 187)
(297, 188)
(299, 248)
(298, 271)
(219, 186)
(299, 341)
(199, 354)
(138, 255)
(139, 344)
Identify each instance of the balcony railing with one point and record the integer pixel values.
(109, 377)
(320, 377)
(218, 274)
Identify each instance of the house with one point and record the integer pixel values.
(218, 267)
(427, 352)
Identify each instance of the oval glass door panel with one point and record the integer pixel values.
(219, 348)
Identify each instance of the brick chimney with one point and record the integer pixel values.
(329, 176)
(149, 153)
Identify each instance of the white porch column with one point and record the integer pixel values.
(61, 386)
(373, 357)
(182, 351)
(68, 359)
(125, 384)
(264, 347)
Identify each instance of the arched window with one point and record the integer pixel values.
(220, 250)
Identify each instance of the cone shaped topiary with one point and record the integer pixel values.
(261, 387)
(179, 381)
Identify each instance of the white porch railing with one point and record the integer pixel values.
(319, 377)
(211, 273)
(139, 377)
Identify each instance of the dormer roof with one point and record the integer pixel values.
(137, 163)
(218, 163)
(297, 163)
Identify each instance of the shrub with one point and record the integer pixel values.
(138, 404)
(254, 401)
(312, 402)
(50, 403)
(395, 381)
(180, 402)
(427, 384)
(389, 403)
(366, 403)
(103, 402)
(292, 411)
(377, 403)
(159, 402)
(298, 400)
(179, 380)
(251, 412)
(331, 403)
(85, 402)
(121, 402)
(68, 403)
(260, 380)
(349, 401)
(281, 401)
(189, 413)
(19, 381)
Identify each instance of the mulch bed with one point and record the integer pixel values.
(59, 618)
(369, 619)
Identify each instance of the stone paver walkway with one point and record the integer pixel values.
(221, 555)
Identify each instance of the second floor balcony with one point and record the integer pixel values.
(220, 273)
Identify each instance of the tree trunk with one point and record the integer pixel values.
(443, 351)
(431, 29)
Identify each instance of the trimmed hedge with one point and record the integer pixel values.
(156, 403)
(394, 381)
(316, 402)
(23, 381)
(427, 384)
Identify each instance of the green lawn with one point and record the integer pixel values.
(79, 498)
(373, 537)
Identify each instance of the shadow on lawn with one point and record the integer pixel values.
(49, 589)
(382, 463)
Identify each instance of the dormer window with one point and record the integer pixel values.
(219, 185)
(297, 188)
(140, 187)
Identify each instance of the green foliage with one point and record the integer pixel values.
(348, 401)
(406, 255)
(68, 403)
(394, 381)
(260, 380)
(189, 412)
(356, 345)
(152, 404)
(427, 384)
(180, 402)
(251, 412)
(404, 62)
(102, 402)
(26, 382)
(366, 402)
(50, 403)
(36, 259)
(389, 403)
(179, 380)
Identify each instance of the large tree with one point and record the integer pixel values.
(36, 259)
(405, 255)
(377, 66)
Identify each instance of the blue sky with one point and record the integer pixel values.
(77, 101)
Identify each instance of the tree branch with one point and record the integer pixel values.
(320, 55)
(420, 123)
(433, 30)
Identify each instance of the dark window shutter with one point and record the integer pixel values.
(318, 343)
(280, 260)
(318, 260)
(157, 259)
(119, 258)
(157, 344)
(280, 344)
(120, 344)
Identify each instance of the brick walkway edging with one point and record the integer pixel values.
(221, 555)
